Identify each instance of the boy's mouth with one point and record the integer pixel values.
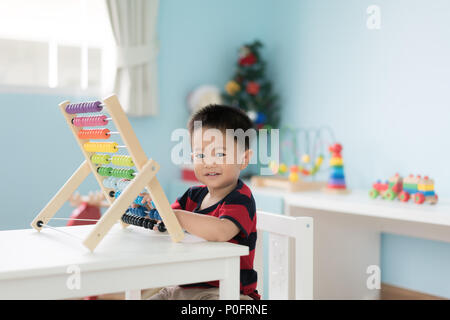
(212, 174)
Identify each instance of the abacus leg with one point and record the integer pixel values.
(165, 210)
(62, 195)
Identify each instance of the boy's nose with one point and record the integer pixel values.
(210, 163)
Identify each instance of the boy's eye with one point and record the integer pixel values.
(200, 155)
(220, 154)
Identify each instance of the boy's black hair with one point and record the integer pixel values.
(222, 117)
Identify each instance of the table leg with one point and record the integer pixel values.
(229, 285)
(345, 249)
(133, 295)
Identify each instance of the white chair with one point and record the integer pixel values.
(284, 270)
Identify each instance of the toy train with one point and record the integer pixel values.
(412, 187)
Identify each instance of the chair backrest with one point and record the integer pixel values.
(288, 237)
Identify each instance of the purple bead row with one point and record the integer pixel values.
(84, 107)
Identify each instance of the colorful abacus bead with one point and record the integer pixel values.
(161, 227)
(100, 158)
(110, 183)
(93, 121)
(138, 221)
(153, 214)
(138, 211)
(114, 172)
(94, 134)
(84, 107)
(115, 183)
(109, 147)
(104, 171)
(123, 161)
(123, 173)
(149, 224)
(137, 201)
(122, 184)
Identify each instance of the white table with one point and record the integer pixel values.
(53, 265)
(347, 231)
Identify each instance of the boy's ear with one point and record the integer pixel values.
(246, 158)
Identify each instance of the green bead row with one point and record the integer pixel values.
(104, 171)
(123, 173)
(123, 161)
(118, 173)
(100, 158)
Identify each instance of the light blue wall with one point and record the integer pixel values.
(40, 153)
(199, 40)
(384, 92)
(416, 263)
(386, 95)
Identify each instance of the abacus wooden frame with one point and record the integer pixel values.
(146, 177)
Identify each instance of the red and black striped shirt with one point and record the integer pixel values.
(240, 208)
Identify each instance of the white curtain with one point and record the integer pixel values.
(133, 24)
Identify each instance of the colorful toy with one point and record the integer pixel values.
(87, 208)
(419, 189)
(120, 186)
(336, 181)
(300, 161)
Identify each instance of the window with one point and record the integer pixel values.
(53, 43)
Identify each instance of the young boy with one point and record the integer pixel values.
(223, 208)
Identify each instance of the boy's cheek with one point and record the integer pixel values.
(231, 159)
(197, 168)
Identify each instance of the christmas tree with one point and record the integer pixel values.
(250, 90)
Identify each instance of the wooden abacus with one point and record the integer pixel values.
(134, 181)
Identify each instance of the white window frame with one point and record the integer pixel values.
(80, 89)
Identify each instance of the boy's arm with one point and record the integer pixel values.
(207, 227)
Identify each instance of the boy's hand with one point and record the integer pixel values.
(146, 201)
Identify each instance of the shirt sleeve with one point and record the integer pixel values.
(180, 203)
(240, 209)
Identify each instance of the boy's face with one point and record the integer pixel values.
(218, 159)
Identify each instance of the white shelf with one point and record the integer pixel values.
(358, 202)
